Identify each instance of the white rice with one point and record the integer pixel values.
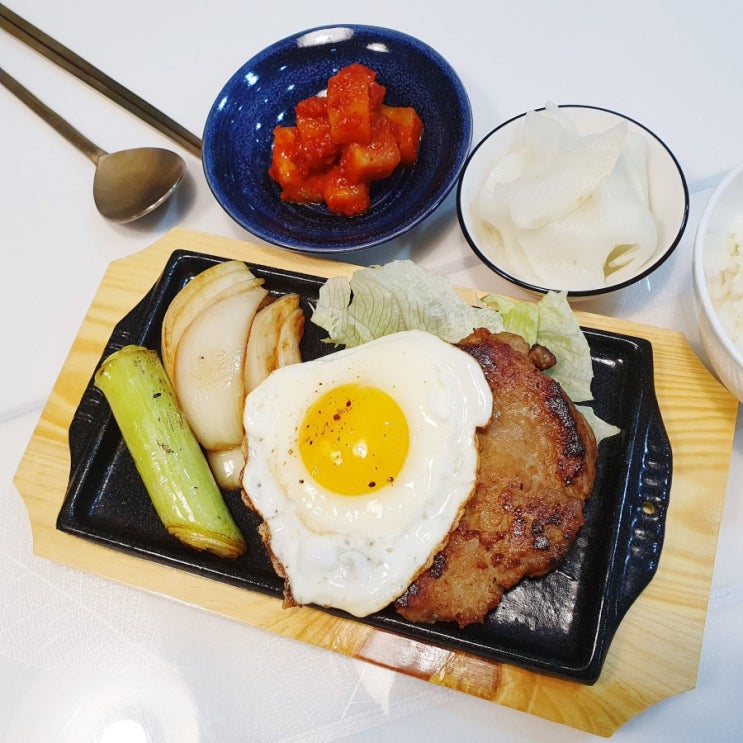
(727, 293)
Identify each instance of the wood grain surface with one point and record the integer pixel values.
(655, 653)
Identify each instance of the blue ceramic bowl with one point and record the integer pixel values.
(262, 94)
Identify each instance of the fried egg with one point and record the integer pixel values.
(360, 463)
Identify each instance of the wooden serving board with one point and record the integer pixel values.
(655, 653)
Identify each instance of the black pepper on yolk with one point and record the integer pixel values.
(354, 439)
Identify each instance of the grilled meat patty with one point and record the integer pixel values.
(537, 467)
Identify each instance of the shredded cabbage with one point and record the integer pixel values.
(551, 323)
(396, 296)
(601, 429)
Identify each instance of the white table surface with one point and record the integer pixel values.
(85, 659)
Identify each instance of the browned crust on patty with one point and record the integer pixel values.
(537, 467)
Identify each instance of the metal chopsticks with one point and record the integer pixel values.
(73, 63)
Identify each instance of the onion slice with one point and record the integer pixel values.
(192, 299)
(227, 466)
(274, 339)
(209, 365)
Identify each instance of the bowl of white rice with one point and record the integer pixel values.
(718, 280)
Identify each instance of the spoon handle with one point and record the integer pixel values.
(76, 65)
(72, 135)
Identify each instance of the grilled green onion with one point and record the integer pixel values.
(165, 451)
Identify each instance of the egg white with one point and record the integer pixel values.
(358, 553)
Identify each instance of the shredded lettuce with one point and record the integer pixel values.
(521, 318)
(401, 295)
(397, 296)
(601, 429)
(551, 323)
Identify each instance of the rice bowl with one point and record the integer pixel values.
(718, 280)
(726, 285)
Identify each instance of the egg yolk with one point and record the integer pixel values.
(354, 439)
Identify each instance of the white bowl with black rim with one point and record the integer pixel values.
(667, 191)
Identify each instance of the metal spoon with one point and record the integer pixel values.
(128, 184)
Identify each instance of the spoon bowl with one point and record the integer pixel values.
(128, 184)
(131, 183)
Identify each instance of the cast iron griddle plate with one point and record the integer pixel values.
(561, 624)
